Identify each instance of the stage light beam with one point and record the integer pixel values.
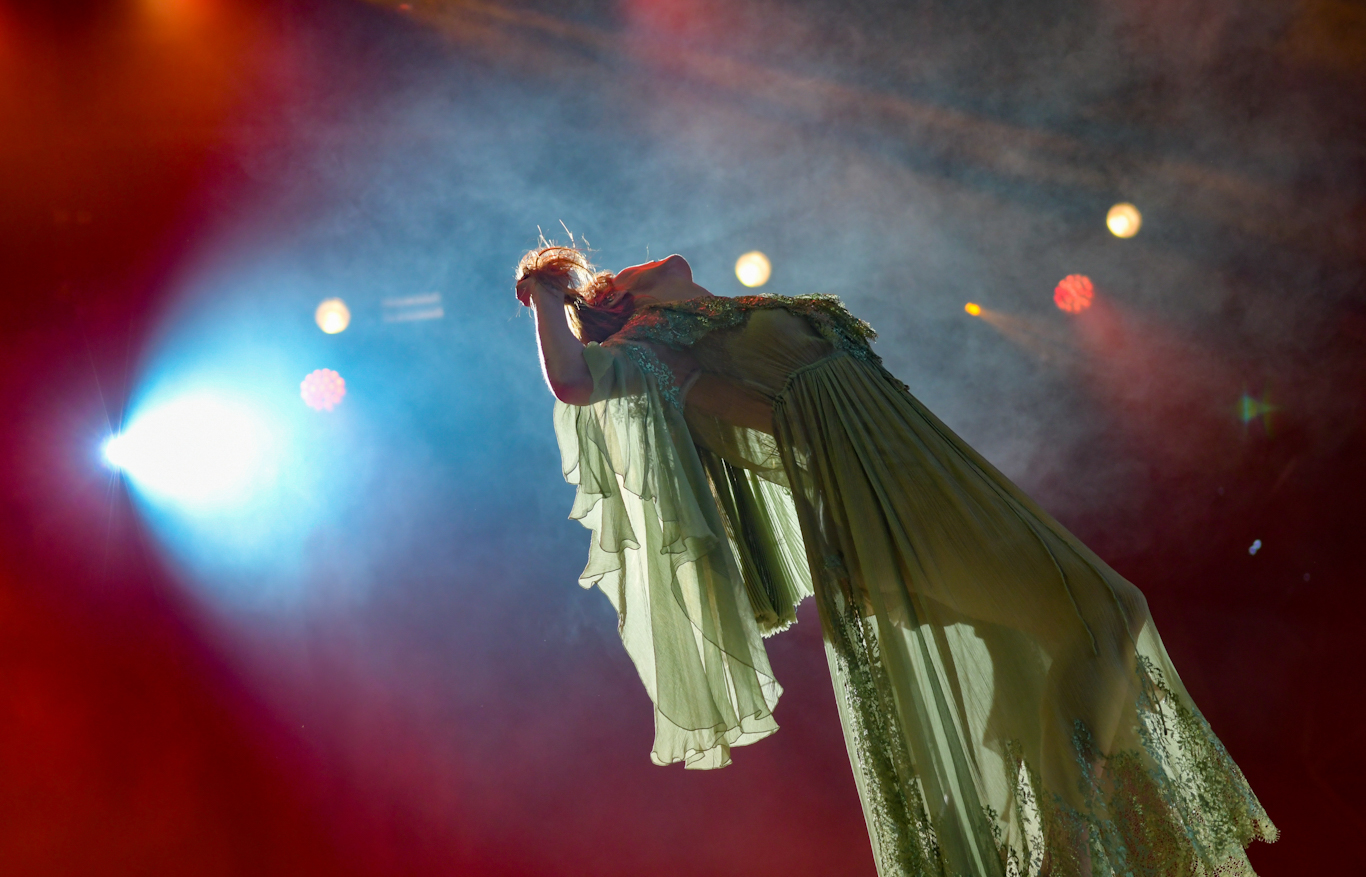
(1124, 220)
(753, 269)
(193, 450)
(332, 316)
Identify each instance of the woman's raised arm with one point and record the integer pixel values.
(561, 353)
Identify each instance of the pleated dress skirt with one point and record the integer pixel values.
(1007, 702)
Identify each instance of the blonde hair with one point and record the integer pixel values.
(590, 316)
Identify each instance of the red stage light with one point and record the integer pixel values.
(1074, 293)
(323, 390)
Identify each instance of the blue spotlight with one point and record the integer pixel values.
(194, 450)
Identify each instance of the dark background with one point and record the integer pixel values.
(388, 668)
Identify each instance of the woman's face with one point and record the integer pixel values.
(654, 279)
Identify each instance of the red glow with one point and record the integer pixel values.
(1170, 393)
(1074, 293)
(323, 389)
(181, 13)
(686, 19)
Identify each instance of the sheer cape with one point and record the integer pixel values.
(1007, 703)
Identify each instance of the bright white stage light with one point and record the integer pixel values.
(753, 269)
(332, 316)
(1124, 220)
(193, 450)
(116, 452)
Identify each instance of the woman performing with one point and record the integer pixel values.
(1007, 703)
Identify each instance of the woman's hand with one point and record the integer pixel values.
(530, 286)
(525, 287)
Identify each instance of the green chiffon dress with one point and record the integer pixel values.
(1008, 706)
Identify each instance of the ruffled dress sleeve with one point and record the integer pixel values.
(661, 554)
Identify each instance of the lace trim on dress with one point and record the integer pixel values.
(681, 324)
(899, 825)
(1177, 806)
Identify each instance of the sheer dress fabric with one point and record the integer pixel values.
(1007, 703)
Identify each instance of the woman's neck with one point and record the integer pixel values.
(682, 290)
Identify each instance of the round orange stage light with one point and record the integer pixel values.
(753, 269)
(973, 309)
(1074, 293)
(1124, 220)
(332, 316)
(323, 389)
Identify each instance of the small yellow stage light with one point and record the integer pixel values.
(753, 268)
(1124, 220)
(973, 309)
(332, 316)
